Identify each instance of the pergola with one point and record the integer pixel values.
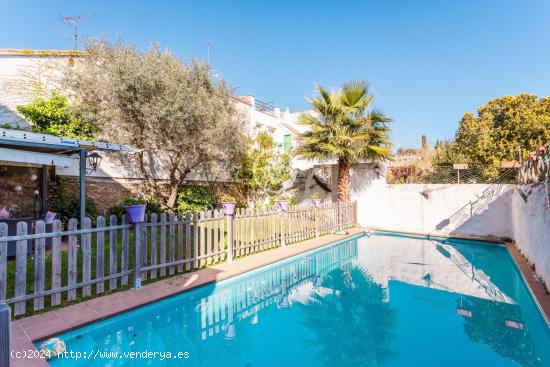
(43, 150)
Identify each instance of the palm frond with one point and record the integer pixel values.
(342, 128)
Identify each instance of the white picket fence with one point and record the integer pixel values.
(68, 265)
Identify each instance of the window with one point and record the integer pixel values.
(287, 145)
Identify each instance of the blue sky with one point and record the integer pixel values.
(428, 62)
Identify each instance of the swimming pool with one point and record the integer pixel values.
(371, 300)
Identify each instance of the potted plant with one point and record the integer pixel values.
(135, 209)
(316, 200)
(228, 203)
(282, 202)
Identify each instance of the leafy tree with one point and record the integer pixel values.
(263, 169)
(343, 128)
(54, 116)
(172, 111)
(446, 153)
(501, 127)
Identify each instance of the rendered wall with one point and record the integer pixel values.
(466, 209)
(474, 210)
(531, 226)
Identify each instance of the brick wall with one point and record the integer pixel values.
(108, 192)
(105, 192)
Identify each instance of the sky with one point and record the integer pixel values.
(428, 62)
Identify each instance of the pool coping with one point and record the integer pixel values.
(26, 331)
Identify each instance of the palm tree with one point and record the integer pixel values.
(342, 126)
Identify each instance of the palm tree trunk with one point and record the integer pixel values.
(343, 179)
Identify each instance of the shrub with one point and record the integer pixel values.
(194, 198)
(67, 206)
(54, 116)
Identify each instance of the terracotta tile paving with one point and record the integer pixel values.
(34, 328)
(542, 296)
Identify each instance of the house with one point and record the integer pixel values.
(29, 74)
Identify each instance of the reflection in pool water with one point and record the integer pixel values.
(378, 301)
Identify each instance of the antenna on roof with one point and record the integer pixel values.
(74, 20)
(208, 44)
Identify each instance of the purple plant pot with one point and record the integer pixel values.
(317, 203)
(136, 213)
(283, 205)
(229, 208)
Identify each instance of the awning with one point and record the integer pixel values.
(19, 146)
(50, 143)
(36, 158)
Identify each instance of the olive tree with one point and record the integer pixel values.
(173, 112)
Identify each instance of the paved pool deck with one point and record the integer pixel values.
(34, 328)
(45, 325)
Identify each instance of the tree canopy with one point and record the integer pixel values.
(179, 118)
(54, 116)
(262, 169)
(501, 127)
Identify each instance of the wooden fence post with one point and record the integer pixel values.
(338, 219)
(125, 254)
(355, 213)
(100, 251)
(283, 228)
(137, 256)
(39, 264)
(316, 220)
(5, 333)
(230, 220)
(3, 261)
(72, 260)
(113, 247)
(86, 247)
(20, 269)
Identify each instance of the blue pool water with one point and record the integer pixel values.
(370, 301)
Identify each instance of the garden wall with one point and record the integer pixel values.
(465, 209)
(469, 210)
(531, 226)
